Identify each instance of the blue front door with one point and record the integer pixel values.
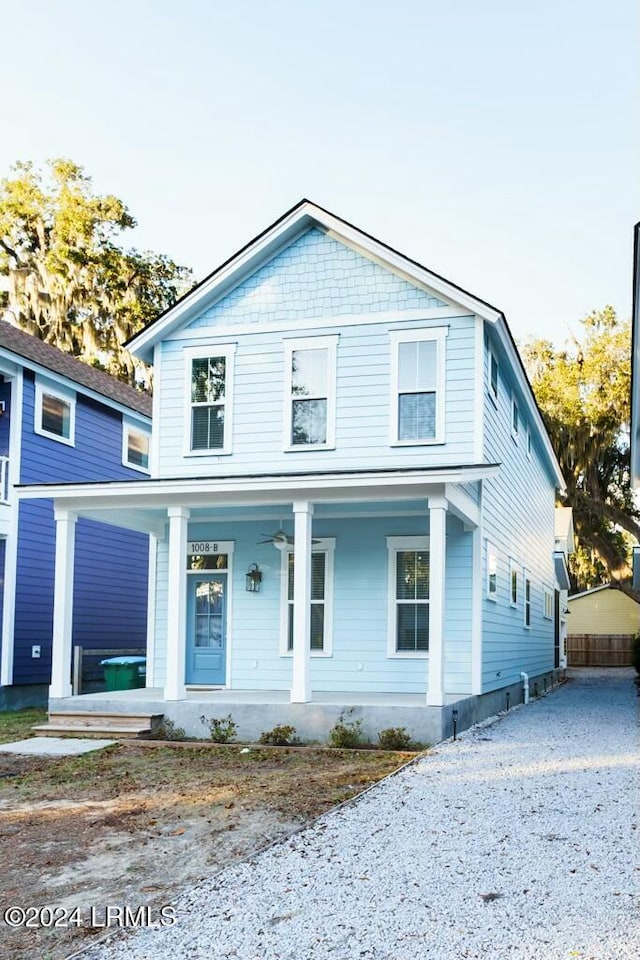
(207, 628)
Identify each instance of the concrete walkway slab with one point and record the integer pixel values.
(54, 746)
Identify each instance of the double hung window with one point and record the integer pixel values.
(321, 597)
(527, 599)
(310, 396)
(417, 400)
(408, 595)
(210, 376)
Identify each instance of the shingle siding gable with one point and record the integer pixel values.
(315, 276)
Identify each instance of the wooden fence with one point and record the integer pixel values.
(86, 664)
(599, 650)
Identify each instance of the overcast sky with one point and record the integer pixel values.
(496, 142)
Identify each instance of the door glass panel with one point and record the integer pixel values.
(208, 613)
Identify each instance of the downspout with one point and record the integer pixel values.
(525, 678)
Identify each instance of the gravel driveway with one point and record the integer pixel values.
(516, 841)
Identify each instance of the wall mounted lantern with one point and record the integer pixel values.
(254, 579)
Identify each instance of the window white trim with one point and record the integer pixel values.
(330, 344)
(514, 583)
(325, 545)
(493, 391)
(130, 427)
(397, 545)
(526, 593)
(516, 421)
(491, 582)
(67, 397)
(226, 350)
(547, 602)
(396, 337)
(529, 443)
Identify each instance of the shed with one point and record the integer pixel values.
(602, 622)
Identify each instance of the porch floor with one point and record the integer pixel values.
(209, 696)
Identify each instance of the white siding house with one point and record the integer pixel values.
(359, 435)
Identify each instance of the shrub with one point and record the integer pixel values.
(221, 729)
(345, 733)
(395, 738)
(167, 730)
(282, 735)
(635, 652)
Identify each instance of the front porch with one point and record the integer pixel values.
(257, 711)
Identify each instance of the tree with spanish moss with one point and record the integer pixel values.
(68, 279)
(583, 391)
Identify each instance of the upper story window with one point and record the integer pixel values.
(310, 393)
(408, 627)
(417, 386)
(515, 419)
(135, 446)
(210, 386)
(492, 572)
(55, 412)
(493, 375)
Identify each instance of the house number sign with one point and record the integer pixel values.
(205, 547)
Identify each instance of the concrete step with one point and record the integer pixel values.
(118, 725)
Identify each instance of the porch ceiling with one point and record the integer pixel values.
(142, 505)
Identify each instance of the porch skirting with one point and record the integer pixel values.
(255, 712)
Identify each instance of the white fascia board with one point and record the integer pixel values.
(285, 231)
(222, 280)
(193, 492)
(587, 593)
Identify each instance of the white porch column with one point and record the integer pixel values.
(437, 576)
(301, 668)
(476, 612)
(174, 688)
(63, 603)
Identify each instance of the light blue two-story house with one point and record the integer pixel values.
(63, 421)
(351, 502)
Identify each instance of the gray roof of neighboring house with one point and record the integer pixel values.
(28, 347)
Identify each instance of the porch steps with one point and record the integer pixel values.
(114, 725)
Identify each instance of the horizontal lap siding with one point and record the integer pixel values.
(518, 508)
(111, 577)
(362, 407)
(359, 661)
(110, 588)
(458, 609)
(315, 277)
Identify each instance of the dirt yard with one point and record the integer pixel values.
(130, 825)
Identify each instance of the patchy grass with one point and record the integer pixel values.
(92, 830)
(17, 724)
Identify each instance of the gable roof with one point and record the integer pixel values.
(44, 355)
(261, 248)
(292, 225)
(603, 586)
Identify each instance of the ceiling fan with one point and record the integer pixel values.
(280, 539)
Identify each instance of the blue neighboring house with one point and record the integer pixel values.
(351, 502)
(62, 421)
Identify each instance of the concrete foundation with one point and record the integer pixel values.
(255, 713)
(24, 695)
